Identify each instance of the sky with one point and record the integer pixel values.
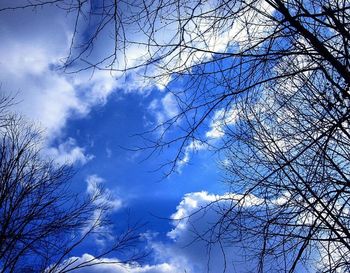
(90, 120)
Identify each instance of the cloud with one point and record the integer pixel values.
(164, 109)
(184, 253)
(207, 235)
(201, 240)
(31, 53)
(193, 244)
(195, 238)
(68, 153)
(170, 105)
(222, 118)
(106, 196)
(32, 49)
(114, 265)
(107, 202)
(193, 146)
(44, 95)
(203, 36)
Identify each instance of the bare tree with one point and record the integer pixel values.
(283, 72)
(273, 77)
(42, 220)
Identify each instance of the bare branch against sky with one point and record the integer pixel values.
(265, 84)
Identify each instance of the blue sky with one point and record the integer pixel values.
(108, 131)
(88, 118)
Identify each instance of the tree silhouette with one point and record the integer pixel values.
(42, 220)
(272, 78)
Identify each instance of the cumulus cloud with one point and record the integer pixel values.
(167, 108)
(32, 50)
(31, 53)
(191, 248)
(205, 237)
(193, 244)
(44, 95)
(170, 105)
(195, 237)
(68, 153)
(202, 37)
(196, 242)
(109, 152)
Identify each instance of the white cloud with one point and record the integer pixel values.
(205, 237)
(221, 119)
(195, 242)
(106, 196)
(170, 105)
(164, 109)
(196, 204)
(203, 36)
(68, 153)
(107, 202)
(44, 95)
(30, 55)
(116, 266)
(193, 146)
(31, 51)
(184, 252)
(167, 108)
